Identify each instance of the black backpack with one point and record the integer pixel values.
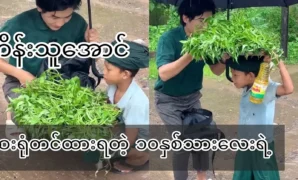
(199, 124)
(76, 66)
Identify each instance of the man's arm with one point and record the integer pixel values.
(287, 86)
(22, 75)
(167, 65)
(7, 68)
(170, 70)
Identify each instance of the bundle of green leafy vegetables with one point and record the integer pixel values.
(237, 36)
(51, 103)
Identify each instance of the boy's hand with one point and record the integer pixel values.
(281, 64)
(267, 59)
(91, 35)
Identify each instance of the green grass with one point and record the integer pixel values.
(153, 73)
(293, 53)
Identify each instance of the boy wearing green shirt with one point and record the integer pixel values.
(52, 20)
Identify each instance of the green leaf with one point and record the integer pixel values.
(51, 100)
(238, 36)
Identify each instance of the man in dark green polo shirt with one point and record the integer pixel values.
(180, 78)
(52, 20)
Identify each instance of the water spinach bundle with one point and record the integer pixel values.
(51, 103)
(236, 36)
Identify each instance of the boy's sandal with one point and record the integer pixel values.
(101, 165)
(12, 131)
(107, 164)
(134, 168)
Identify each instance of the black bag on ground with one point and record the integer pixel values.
(79, 67)
(199, 124)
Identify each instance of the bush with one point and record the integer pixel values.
(156, 31)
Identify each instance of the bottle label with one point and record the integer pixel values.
(258, 91)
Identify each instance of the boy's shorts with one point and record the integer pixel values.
(9, 84)
(250, 165)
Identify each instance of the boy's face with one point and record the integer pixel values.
(113, 74)
(56, 19)
(197, 22)
(241, 79)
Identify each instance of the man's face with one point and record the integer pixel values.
(197, 22)
(55, 20)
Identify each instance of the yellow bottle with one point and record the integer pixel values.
(260, 85)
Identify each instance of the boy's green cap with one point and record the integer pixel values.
(138, 57)
(249, 64)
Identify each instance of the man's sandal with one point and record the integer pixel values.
(12, 131)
